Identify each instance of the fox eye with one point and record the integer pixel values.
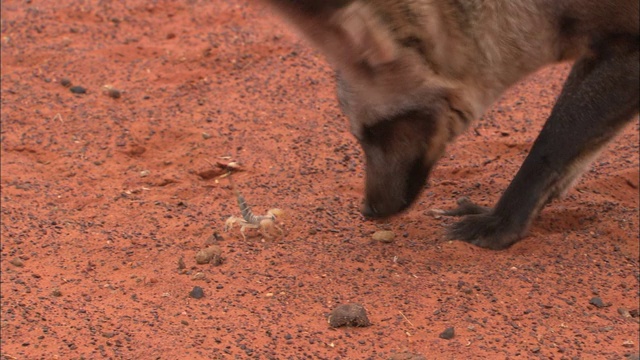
(357, 135)
(375, 132)
(397, 128)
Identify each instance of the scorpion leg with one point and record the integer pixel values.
(279, 229)
(265, 233)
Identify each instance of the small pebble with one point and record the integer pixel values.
(217, 260)
(624, 312)
(65, 82)
(198, 276)
(17, 262)
(447, 334)
(597, 302)
(213, 239)
(56, 292)
(114, 93)
(384, 236)
(206, 255)
(197, 292)
(78, 90)
(349, 315)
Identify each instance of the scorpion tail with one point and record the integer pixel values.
(245, 209)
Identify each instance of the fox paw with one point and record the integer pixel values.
(485, 230)
(480, 226)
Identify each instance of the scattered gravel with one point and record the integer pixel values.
(76, 212)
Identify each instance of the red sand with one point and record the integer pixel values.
(101, 198)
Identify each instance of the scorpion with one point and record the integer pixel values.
(266, 223)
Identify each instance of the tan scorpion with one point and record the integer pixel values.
(266, 223)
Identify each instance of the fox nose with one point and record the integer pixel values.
(369, 211)
(375, 209)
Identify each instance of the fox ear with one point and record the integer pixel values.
(367, 39)
(349, 33)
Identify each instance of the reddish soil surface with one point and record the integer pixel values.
(102, 197)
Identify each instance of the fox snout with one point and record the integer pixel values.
(392, 188)
(399, 155)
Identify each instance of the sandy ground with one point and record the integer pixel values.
(102, 197)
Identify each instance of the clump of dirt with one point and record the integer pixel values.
(349, 315)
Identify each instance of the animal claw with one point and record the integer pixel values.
(465, 207)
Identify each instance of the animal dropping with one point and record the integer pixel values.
(349, 315)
